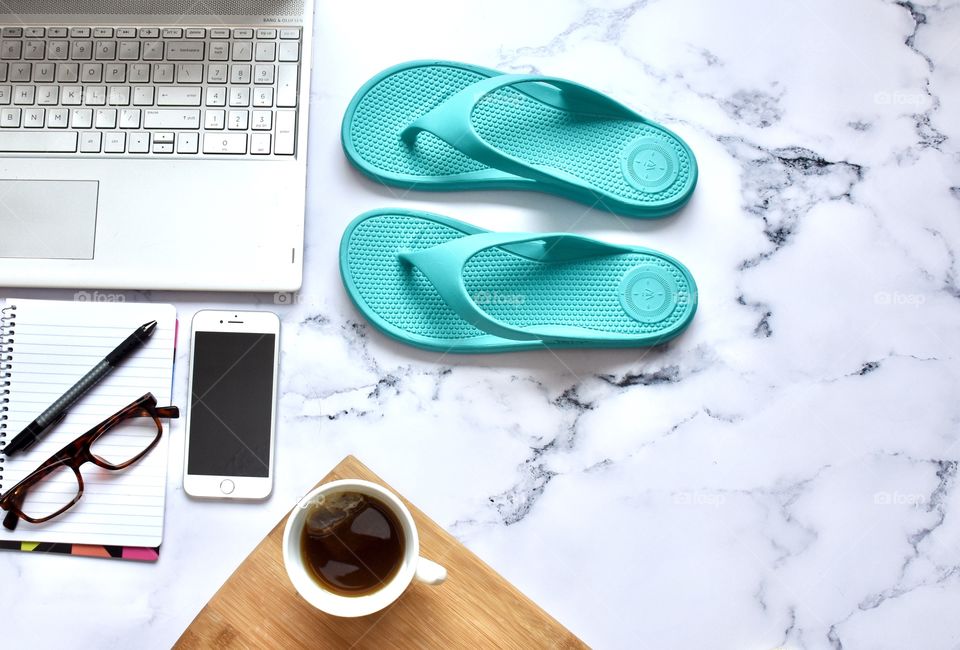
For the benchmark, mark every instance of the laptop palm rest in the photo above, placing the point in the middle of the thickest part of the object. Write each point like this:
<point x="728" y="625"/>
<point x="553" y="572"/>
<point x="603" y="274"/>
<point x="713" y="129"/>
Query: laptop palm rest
<point x="48" y="219"/>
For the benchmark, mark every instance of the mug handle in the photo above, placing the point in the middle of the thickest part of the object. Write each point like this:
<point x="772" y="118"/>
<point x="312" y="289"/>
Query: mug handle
<point x="429" y="572"/>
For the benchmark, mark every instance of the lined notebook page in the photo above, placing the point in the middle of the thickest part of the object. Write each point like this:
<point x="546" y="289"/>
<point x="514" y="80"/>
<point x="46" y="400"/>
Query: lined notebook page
<point x="54" y="344"/>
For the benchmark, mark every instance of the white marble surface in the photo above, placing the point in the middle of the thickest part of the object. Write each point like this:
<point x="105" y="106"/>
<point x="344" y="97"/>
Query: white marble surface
<point x="783" y="474"/>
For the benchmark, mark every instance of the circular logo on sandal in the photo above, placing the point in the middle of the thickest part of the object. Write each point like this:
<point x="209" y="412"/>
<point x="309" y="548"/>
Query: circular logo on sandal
<point x="649" y="165"/>
<point x="648" y="294"/>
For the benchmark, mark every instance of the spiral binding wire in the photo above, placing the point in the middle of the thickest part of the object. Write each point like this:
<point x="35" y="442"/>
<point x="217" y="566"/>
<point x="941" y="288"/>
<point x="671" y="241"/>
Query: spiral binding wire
<point x="7" y="322"/>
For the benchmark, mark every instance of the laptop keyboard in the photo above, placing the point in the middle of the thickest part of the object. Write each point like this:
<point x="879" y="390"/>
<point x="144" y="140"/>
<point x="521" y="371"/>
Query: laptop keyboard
<point x="149" y="91"/>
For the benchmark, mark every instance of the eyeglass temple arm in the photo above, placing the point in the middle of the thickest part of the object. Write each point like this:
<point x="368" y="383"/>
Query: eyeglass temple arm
<point x="171" y="412"/>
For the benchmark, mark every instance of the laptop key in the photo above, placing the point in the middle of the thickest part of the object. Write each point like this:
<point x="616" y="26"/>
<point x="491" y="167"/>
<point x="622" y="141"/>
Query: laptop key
<point x="10" y="118"/>
<point x="38" y="142"/>
<point x="43" y="72"/>
<point x="224" y="143"/>
<point x="10" y="49"/>
<point x="171" y="119"/>
<point x="287" y="85"/>
<point x="5" y="95"/>
<point x="81" y="118"/>
<point x="58" y="50"/>
<point x="139" y="142"/>
<point x="115" y="142"/>
<point x="185" y="51"/>
<point x="178" y="96"/>
<point x="20" y="71"/>
<point x="90" y="142"/>
<point x="68" y="72"/>
<point x="57" y="118"/>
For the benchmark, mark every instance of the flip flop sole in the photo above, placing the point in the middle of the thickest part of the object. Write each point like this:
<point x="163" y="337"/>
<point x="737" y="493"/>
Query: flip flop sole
<point x="632" y="167"/>
<point x="645" y="296"/>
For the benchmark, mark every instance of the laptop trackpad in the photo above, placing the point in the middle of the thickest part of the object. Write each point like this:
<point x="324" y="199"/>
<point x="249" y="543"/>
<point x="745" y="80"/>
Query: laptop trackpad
<point x="48" y="219"/>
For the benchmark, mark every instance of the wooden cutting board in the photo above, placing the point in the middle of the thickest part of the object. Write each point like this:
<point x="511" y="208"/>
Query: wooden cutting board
<point x="257" y="607"/>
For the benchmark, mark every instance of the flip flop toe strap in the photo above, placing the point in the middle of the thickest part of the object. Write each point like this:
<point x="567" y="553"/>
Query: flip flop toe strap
<point x="451" y="120"/>
<point x="443" y="267"/>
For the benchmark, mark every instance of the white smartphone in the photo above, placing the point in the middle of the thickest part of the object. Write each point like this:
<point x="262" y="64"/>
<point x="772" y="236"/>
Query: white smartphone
<point x="232" y="411"/>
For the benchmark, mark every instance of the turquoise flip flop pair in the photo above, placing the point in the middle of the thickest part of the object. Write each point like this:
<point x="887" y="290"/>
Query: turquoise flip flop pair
<point x="446" y="285"/>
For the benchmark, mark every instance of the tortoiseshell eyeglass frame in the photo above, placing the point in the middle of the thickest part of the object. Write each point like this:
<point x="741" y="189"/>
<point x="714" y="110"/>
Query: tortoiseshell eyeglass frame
<point x="77" y="453"/>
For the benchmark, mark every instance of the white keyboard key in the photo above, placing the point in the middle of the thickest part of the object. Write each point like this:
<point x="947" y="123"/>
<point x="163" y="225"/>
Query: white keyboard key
<point x="139" y="142"/>
<point x="20" y="71"/>
<point x="289" y="52"/>
<point x="91" y="73"/>
<point x="214" y="120"/>
<point x="185" y="51"/>
<point x="195" y="32"/>
<point x="119" y="96"/>
<point x="163" y="137"/>
<point x="34" y="50"/>
<point x="287" y="34"/>
<point x="239" y="97"/>
<point x="79" y="32"/>
<point x="190" y="73"/>
<point x="188" y="142"/>
<point x="38" y="142"/>
<point x="71" y="95"/>
<point x="10" y="118"/>
<point x="115" y="143"/>
<point x="95" y="96"/>
<point x="266" y="32"/>
<point x="57" y="118"/>
<point x="115" y="73"/>
<point x="241" y="52"/>
<point x="24" y="95"/>
<point x="163" y="73"/>
<point x="260" y="144"/>
<point x="217" y="73"/>
<point x="103" y="32"/>
<point x="219" y="32"/>
<point x="81" y="50"/>
<point x="178" y="96"/>
<point x="57" y="32"/>
<point x="237" y="120"/>
<point x="81" y="118"/>
<point x="287" y="85"/>
<point x="153" y="51"/>
<point x="6" y="93"/>
<point x="172" y="32"/>
<point x="263" y="73"/>
<point x="58" y="50"/>
<point x="171" y="119"/>
<point x="225" y="143"/>
<point x="130" y="118"/>
<point x="33" y="118"/>
<point x="44" y="72"/>
<point x="90" y="142"/>
<point x="11" y="49"/>
<point x="266" y="52"/>
<point x="219" y="51"/>
<point x="143" y="96"/>
<point x="216" y="96"/>
<point x="240" y="73"/>
<point x="126" y="32"/>
<point x="4" y="67"/>
<point x="286" y="133"/>
<point x="263" y="97"/>
<point x="162" y="147"/>
<point x="105" y="50"/>
<point x="68" y="73"/>
<point x="139" y="73"/>
<point x="105" y="118"/>
<point x="261" y="120"/>
<point x="34" y="32"/>
<point x="129" y="51"/>
<point x="243" y="32"/>
<point x="48" y="95"/>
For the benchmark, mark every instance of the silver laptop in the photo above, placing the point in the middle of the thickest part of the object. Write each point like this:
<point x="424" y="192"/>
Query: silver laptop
<point x="153" y="143"/>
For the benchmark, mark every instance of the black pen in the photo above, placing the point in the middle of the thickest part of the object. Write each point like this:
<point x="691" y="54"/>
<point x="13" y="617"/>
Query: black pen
<point x="58" y="410"/>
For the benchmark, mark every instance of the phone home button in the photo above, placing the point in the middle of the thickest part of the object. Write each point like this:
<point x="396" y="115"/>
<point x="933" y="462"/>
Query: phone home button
<point x="226" y="486"/>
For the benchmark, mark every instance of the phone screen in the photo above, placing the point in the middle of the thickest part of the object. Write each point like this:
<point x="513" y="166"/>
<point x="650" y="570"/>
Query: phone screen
<point x="231" y="404"/>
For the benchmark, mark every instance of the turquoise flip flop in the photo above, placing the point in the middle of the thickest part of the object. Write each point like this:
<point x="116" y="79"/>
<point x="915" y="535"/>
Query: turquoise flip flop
<point x="445" y="285"/>
<point x="442" y="125"/>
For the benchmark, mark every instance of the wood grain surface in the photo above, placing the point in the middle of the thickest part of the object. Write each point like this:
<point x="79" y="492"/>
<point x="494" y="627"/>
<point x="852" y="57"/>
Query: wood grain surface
<point x="257" y="607"/>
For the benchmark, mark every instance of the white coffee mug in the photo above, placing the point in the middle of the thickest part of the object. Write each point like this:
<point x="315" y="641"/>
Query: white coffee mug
<point x="412" y="567"/>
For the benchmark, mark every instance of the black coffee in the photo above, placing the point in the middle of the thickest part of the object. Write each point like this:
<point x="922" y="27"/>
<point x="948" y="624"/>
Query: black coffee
<point x="352" y="543"/>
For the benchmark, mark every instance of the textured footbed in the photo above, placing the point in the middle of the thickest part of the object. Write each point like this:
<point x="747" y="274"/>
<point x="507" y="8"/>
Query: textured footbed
<point x="510" y="288"/>
<point x="589" y="148"/>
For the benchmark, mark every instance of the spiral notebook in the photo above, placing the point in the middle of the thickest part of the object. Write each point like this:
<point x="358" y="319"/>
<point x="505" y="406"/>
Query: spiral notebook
<point x="45" y="347"/>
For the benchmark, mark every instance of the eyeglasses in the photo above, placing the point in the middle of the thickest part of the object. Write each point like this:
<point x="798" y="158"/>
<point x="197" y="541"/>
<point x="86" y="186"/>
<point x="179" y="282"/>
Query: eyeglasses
<point x="116" y="443"/>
